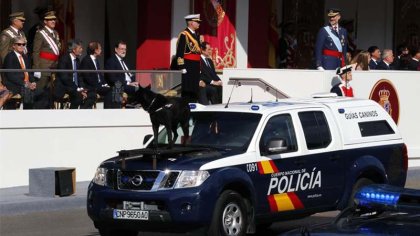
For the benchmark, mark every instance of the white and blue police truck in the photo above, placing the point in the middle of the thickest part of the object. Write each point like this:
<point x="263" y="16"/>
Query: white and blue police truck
<point x="246" y="165"/>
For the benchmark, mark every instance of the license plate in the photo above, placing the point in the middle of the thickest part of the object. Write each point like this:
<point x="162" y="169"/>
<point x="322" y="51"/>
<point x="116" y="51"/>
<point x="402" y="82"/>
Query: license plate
<point x="130" y="214"/>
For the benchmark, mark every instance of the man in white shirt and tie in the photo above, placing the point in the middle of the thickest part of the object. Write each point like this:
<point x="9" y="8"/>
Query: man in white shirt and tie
<point x="210" y="83"/>
<point x="120" y="82"/>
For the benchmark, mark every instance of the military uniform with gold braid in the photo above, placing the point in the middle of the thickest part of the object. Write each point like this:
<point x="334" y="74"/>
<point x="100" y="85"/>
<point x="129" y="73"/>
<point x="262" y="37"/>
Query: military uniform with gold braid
<point x="188" y="59"/>
<point x="7" y="35"/>
<point x="46" y="51"/>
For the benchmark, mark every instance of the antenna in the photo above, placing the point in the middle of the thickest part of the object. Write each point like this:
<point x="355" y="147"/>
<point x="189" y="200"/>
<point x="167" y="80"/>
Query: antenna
<point x="277" y="97"/>
<point x="227" y="104"/>
<point x="250" y="101"/>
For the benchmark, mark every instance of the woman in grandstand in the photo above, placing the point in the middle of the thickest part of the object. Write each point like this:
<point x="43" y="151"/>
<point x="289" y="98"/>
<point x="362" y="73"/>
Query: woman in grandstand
<point x="361" y="61"/>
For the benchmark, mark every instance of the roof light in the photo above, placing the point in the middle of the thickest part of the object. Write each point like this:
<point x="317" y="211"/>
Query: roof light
<point x="193" y="106"/>
<point x="255" y="107"/>
<point x="341" y="110"/>
<point x="374" y="194"/>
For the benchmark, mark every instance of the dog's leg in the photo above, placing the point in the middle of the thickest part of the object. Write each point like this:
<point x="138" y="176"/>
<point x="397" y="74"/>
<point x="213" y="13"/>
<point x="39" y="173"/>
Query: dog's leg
<point x="170" y="141"/>
<point x="155" y="128"/>
<point x="174" y="130"/>
<point x="185" y="130"/>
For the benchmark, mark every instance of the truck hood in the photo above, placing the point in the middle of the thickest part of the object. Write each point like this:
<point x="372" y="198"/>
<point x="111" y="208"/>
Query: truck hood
<point x="177" y="158"/>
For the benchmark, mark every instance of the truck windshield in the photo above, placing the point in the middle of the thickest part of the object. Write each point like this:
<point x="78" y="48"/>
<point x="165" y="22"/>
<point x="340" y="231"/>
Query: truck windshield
<point x="218" y="129"/>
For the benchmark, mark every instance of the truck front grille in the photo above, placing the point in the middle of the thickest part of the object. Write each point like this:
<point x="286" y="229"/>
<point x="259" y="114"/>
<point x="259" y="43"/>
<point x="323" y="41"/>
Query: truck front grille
<point x="136" y="180"/>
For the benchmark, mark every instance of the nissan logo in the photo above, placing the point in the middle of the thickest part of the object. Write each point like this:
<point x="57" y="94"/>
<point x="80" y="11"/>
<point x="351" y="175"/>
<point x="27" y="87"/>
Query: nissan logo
<point x="137" y="180"/>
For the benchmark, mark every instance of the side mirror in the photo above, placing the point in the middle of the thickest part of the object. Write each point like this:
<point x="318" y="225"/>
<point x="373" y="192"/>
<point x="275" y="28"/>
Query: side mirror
<point x="147" y="138"/>
<point x="277" y="145"/>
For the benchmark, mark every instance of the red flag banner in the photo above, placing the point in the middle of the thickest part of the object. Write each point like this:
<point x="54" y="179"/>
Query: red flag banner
<point x="65" y="25"/>
<point x="218" y="28"/>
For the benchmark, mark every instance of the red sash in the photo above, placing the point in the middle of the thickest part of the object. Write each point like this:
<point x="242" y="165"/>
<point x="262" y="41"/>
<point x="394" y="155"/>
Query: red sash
<point x="333" y="53"/>
<point x="48" y="56"/>
<point x="192" y="57"/>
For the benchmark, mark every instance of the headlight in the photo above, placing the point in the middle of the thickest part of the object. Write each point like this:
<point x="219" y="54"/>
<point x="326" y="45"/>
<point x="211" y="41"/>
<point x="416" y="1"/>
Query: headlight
<point x="100" y="176"/>
<point x="191" y="178"/>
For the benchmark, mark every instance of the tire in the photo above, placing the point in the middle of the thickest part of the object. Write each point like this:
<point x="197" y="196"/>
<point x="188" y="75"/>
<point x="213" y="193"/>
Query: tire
<point x="358" y="185"/>
<point x="230" y="215"/>
<point x="116" y="232"/>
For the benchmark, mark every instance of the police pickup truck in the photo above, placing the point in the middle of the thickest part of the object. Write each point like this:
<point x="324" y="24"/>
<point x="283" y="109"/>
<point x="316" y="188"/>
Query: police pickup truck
<point x="247" y="165"/>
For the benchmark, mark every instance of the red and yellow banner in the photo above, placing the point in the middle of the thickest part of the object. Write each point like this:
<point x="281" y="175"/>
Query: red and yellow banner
<point x="218" y="28"/>
<point x="267" y="167"/>
<point x="284" y="202"/>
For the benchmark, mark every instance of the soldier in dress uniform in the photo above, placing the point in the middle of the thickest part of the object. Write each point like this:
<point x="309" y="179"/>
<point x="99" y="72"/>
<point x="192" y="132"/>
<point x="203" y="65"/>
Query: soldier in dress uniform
<point x="46" y="51"/>
<point x="17" y="19"/>
<point x="331" y="43"/>
<point x="343" y="88"/>
<point x="188" y="58"/>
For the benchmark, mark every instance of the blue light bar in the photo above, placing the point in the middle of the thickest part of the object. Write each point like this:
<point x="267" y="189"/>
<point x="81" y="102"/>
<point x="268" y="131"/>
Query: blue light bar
<point x="341" y="110"/>
<point x="373" y="195"/>
<point x="193" y="106"/>
<point x="255" y="107"/>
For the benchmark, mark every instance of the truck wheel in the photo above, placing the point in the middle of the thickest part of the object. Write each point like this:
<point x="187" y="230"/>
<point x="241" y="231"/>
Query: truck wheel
<point x="229" y="216"/>
<point x="116" y="232"/>
<point x="359" y="184"/>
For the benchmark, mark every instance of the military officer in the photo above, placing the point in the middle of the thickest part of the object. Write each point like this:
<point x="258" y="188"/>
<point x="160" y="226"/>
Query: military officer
<point x="17" y="19"/>
<point x="188" y="58"/>
<point x="46" y="51"/>
<point x="331" y="43"/>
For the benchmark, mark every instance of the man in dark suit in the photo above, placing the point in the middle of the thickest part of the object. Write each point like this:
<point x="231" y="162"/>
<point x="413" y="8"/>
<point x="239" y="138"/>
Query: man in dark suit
<point x="210" y="83"/>
<point x="22" y="83"/>
<point x="68" y="82"/>
<point x="94" y="82"/>
<point x="387" y="60"/>
<point x="375" y="57"/>
<point x="414" y="63"/>
<point x="331" y="43"/>
<point x="188" y="58"/>
<point x="120" y="83"/>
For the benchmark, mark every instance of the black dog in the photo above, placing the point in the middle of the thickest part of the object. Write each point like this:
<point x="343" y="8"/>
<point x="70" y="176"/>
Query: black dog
<point x="166" y="111"/>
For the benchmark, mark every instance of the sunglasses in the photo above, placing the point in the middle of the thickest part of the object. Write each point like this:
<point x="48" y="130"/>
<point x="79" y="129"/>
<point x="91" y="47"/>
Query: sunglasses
<point x="21" y="44"/>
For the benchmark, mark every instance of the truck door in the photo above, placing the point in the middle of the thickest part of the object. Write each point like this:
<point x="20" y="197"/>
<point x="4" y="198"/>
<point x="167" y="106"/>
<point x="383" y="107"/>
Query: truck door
<point x="296" y="181"/>
<point x="278" y="169"/>
<point x="321" y="160"/>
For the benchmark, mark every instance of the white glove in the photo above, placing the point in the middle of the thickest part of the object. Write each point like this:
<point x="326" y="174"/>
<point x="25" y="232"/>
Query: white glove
<point x="320" y="68"/>
<point x="184" y="71"/>
<point x="37" y="75"/>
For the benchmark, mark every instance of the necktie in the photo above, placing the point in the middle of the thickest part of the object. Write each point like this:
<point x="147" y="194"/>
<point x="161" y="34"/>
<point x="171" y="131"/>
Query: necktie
<point x="208" y="62"/>
<point x="97" y="68"/>
<point x="75" y="79"/>
<point x="22" y="66"/>
<point x="125" y="68"/>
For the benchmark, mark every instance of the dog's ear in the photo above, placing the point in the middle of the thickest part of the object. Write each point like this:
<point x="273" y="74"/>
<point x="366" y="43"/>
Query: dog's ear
<point x="149" y="87"/>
